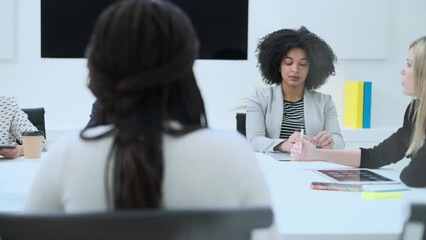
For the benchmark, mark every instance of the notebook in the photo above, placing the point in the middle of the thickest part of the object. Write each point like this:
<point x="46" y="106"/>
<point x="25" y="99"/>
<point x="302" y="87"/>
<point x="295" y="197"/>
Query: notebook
<point x="336" y="187"/>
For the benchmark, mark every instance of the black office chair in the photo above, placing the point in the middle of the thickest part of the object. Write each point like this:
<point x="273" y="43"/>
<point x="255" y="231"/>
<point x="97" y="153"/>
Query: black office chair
<point x="241" y="123"/>
<point x="36" y="117"/>
<point x="211" y="224"/>
<point x="414" y="228"/>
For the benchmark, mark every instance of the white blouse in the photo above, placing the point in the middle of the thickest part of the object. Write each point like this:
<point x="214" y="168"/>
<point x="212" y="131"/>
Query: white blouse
<point x="205" y="168"/>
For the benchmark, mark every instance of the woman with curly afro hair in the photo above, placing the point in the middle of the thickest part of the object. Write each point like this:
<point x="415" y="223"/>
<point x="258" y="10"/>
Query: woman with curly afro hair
<point x="295" y="63"/>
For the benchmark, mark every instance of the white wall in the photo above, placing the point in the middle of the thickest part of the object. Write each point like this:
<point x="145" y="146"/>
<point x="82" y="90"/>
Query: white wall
<point x="345" y="24"/>
<point x="406" y="23"/>
<point x="59" y="85"/>
<point x="7" y="29"/>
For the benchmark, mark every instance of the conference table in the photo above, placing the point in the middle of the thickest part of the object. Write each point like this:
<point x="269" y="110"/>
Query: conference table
<point x="15" y="180"/>
<point x="303" y="213"/>
<point x="299" y="211"/>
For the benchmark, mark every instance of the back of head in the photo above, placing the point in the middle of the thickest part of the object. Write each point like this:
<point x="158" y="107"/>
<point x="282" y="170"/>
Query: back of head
<point x="140" y="59"/>
<point x="139" y="47"/>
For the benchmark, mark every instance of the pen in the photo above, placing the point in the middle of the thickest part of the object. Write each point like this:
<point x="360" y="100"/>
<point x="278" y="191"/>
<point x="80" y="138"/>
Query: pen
<point x="301" y="137"/>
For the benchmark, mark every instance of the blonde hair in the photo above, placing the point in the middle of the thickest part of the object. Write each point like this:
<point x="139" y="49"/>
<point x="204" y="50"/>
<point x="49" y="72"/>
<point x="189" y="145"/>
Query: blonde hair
<point x="419" y="78"/>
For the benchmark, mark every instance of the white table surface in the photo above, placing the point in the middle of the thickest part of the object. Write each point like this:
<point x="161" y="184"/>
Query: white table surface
<point x="303" y="213"/>
<point x="300" y="213"/>
<point x="15" y="180"/>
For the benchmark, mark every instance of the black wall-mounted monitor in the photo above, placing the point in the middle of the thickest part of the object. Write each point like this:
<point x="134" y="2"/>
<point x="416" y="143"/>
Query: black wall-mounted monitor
<point x="222" y="26"/>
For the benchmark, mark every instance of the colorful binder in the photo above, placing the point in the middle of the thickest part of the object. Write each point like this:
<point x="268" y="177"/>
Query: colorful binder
<point x="353" y="107"/>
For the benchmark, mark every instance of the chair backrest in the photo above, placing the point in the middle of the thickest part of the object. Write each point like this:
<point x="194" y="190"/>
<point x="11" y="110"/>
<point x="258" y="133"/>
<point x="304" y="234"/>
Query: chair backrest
<point x="36" y="117"/>
<point x="241" y="123"/>
<point x="414" y="228"/>
<point x="212" y="224"/>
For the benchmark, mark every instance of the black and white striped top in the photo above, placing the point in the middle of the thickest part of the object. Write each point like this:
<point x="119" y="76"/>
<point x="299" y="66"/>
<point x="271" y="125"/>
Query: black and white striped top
<point x="293" y="118"/>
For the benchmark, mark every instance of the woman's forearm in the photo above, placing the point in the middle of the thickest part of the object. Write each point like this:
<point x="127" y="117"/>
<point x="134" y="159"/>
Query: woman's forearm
<point x="344" y="157"/>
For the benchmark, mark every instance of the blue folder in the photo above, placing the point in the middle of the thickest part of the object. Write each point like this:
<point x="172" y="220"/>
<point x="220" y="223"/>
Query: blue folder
<point x="366" y="121"/>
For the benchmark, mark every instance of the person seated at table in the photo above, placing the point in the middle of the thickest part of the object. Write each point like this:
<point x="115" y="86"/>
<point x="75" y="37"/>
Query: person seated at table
<point x="408" y="141"/>
<point x="13" y="123"/>
<point x="156" y="150"/>
<point x="295" y="62"/>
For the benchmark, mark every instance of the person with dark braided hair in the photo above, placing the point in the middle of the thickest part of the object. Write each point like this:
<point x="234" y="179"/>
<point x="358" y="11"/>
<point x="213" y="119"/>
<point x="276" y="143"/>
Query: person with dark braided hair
<point x="152" y="148"/>
<point x="295" y="62"/>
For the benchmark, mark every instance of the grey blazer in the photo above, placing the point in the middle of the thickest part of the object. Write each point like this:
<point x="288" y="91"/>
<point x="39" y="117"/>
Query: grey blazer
<point x="265" y="115"/>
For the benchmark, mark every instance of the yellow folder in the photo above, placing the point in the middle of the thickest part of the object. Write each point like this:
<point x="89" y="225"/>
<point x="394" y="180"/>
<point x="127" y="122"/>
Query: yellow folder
<point x="353" y="108"/>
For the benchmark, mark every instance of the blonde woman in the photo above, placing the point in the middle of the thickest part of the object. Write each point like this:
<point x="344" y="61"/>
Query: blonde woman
<point x="407" y="141"/>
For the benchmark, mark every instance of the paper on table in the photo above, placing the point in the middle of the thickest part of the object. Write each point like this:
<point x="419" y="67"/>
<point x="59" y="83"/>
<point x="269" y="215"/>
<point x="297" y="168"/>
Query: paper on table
<point x="281" y="156"/>
<point x="386" y="188"/>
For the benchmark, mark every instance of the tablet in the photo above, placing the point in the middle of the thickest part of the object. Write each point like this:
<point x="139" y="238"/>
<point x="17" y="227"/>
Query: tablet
<point x="355" y="176"/>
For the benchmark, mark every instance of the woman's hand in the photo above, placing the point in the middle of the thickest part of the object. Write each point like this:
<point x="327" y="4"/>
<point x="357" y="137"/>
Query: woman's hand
<point x="324" y="140"/>
<point x="11" y="153"/>
<point x="302" y="150"/>
<point x="288" y="144"/>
